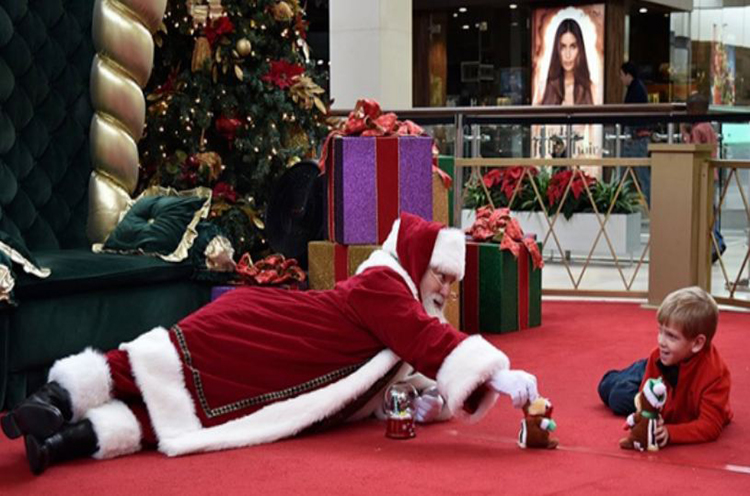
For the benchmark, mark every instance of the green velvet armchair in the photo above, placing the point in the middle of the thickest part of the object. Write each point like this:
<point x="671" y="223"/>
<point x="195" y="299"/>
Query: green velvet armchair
<point x="90" y="299"/>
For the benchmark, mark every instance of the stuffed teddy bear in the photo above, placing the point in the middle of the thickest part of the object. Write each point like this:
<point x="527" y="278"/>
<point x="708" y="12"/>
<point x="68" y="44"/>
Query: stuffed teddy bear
<point x="642" y="423"/>
<point x="537" y="425"/>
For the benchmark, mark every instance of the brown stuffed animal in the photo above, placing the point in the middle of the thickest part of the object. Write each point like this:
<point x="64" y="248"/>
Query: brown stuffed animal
<point x="537" y="425"/>
<point x="642" y="423"/>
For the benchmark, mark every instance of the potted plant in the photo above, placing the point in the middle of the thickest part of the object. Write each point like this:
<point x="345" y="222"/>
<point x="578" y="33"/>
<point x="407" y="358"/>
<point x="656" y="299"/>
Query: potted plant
<point x="577" y="225"/>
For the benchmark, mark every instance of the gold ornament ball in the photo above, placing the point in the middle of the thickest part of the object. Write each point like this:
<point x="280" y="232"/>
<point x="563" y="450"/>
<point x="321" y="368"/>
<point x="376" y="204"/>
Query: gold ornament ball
<point x="244" y="47"/>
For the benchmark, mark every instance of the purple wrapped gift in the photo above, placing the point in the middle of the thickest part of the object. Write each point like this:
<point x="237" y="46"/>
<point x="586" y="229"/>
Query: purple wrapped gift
<point x="217" y="291"/>
<point x="371" y="180"/>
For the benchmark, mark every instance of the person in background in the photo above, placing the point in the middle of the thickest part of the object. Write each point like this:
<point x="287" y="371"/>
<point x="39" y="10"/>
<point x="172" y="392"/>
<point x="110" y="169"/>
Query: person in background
<point x="637" y="145"/>
<point x="703" y="133"/>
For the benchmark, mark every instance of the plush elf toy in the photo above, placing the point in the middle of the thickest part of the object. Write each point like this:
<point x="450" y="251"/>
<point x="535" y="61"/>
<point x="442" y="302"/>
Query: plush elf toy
<point x="642" y="423"/>
<point x="537" y="425"/>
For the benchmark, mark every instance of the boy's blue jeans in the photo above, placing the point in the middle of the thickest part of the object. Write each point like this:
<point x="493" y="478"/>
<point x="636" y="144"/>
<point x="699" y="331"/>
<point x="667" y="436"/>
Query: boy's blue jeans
<point x="618" y="388"/>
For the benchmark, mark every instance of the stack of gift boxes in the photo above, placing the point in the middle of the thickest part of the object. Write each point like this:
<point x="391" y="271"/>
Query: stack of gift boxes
<point x="370" y="181"/>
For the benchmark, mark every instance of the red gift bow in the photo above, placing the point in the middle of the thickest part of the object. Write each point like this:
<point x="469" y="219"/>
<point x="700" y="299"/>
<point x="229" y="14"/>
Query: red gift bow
<point x="367" y="119"/>
<point x="497" y="225"/>
<point x="272" y="270"/>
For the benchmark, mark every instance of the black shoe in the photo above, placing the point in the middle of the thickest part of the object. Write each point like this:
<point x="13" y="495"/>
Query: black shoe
<point x="72" y="441"/>
<point x="41" y="414"/>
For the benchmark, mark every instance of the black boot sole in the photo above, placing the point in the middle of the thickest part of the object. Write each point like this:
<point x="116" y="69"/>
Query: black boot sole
<point x="39" y="419"/>
<point x="37" y="456"/>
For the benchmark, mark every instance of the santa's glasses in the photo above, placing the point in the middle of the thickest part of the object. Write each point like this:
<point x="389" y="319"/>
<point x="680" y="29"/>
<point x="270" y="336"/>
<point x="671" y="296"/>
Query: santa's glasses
<point x="444" y="280"/>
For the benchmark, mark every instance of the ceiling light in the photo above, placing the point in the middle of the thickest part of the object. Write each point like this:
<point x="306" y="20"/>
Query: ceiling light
<point x="465" y="26"/>
<point x="462" y="9"/>
<point x="513" y="6"/>
<point x="643" y="10"/>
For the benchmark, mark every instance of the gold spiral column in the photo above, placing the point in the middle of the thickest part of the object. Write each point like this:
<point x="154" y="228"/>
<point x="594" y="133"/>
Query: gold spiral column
<point x="122" y="33"/>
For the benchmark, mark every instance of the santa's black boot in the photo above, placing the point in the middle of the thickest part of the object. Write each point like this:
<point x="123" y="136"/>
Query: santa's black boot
<point x="41" y="414"/>
<point x="72" y="441"/>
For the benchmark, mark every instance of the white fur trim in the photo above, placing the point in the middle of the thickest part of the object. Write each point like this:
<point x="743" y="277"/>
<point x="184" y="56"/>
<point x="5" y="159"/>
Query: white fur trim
<point x="449" y="253"/>
<point x="383" y="258"/>
<point x="467" y="367"/>
<point x="117" y="430"/>
<point x="157" y="370"/>
<point x="391" y="242"/>
<point x="87" y="379"/>
<point x="284" y="418"/>
<point x="656" y="396"/>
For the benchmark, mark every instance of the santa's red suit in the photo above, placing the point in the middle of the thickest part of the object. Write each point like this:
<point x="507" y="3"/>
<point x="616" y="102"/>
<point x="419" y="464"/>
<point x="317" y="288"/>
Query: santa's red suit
<point x="261" y="364"/>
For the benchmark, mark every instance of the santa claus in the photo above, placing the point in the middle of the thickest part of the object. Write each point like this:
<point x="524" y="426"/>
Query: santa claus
<point x="261" y="364"/>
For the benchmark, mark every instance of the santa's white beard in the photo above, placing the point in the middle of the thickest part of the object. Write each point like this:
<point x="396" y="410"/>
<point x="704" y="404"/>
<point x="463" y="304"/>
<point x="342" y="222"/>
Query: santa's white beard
<point x="432" y="308"/>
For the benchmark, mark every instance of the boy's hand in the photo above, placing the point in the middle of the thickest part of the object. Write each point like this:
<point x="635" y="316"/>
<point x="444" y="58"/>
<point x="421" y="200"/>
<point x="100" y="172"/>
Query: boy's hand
<point x="662" y="434"/>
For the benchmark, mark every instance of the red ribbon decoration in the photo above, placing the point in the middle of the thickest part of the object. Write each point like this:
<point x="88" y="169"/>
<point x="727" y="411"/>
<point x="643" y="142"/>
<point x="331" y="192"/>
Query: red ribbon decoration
<point x="387" y="183"/>
<point x="470" y="291"/>
<point x="497" y="225"/>
<point x="523" y="291"/>
<point x="340" y="262"/>
<point x="274" y="270"/>
<point x="367" y="119"/>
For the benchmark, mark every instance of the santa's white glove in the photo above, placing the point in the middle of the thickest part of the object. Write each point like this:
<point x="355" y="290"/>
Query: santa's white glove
<point x="427" y="407"/>
<point x="519" y="385"/>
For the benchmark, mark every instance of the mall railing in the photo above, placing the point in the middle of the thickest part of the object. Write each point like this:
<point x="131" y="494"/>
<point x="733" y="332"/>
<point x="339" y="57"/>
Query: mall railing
<point x="729" y="282"/>
<point x="675" y="236"/>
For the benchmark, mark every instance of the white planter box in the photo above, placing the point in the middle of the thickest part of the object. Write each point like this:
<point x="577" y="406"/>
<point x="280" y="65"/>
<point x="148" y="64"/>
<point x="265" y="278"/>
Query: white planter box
<point x="577" y="234"/>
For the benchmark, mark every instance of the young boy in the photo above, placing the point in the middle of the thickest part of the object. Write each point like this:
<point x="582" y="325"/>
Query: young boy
<point x="697" y="379"/>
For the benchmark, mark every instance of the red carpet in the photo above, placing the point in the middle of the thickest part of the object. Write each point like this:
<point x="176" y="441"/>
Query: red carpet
<point x="577" y="344"/>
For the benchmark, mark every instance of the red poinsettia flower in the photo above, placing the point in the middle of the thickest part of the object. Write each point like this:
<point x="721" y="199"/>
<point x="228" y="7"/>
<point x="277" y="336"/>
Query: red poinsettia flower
<point x="282" y="73"/>
<point x="559" y="181"/>
<point x="220" y="26"/>
<point x="511" y="178"/>
<point x="507" y="178"/>
<point x="225" y="191"/>
<point x="493" y="177"/>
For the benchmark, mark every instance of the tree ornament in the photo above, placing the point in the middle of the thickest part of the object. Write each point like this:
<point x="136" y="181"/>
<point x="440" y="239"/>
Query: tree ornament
<point x="212" y="162"/>
<point x="201" y="55"/>
<point x="282" y="12"/>
<point x="296" y="138"/>
<point x="244" y="47"/>
<point x="227" y="127"/>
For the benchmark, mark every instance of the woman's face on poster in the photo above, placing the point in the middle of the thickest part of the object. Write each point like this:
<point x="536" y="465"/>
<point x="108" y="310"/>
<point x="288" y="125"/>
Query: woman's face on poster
<point x="568" y="49"/>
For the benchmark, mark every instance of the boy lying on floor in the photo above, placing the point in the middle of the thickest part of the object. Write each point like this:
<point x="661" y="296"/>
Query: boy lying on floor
<point x="697" y="379"/>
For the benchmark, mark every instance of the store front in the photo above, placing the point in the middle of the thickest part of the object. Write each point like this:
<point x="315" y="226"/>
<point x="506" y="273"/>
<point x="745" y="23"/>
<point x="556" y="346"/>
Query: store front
<point x="493" y="53"/>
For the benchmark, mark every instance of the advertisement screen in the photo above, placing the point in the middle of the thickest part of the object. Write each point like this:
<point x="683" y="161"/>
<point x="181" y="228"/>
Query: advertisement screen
<point x="568" y="69"/>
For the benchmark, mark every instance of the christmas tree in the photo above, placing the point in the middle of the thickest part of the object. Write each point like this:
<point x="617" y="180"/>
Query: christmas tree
<point x="233" y="100"/>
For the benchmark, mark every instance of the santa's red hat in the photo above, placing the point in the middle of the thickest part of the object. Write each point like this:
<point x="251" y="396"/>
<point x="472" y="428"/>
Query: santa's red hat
<point x="419" y="244"/>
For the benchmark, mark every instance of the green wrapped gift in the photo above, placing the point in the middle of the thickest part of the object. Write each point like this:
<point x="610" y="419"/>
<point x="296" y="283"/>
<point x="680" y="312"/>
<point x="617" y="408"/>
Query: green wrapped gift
<point x="499" y="293"/>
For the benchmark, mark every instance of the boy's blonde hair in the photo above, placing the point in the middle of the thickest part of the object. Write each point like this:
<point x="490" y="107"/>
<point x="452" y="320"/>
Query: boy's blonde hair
<point x="691" y="310"/>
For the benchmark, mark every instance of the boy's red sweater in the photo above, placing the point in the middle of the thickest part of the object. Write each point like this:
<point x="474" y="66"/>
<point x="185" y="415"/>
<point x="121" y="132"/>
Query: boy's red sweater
<point x="697" y="409"/>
